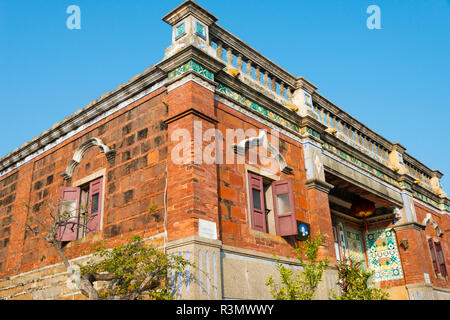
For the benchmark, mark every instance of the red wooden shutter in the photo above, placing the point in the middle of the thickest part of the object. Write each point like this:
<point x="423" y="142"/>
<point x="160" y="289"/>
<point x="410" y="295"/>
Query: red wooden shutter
<point x="283" y="202"/>
<point x="257" y="207"/>
<point x="94" y="205"/>
<point x="440" y="259"/>
<point x="68" y="211"/>
<point x="433" y="255"/>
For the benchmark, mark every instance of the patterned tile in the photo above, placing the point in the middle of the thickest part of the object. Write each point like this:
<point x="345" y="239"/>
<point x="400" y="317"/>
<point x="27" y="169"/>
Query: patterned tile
<point x="382" y="254"/>
<point x="191" y="65"/>
<point x="180" y="30"/>
<point x="200" y="30"/>
<point x="360" y="164"/>
<point x="355" y="246"/>
<point x="261" y="110"/>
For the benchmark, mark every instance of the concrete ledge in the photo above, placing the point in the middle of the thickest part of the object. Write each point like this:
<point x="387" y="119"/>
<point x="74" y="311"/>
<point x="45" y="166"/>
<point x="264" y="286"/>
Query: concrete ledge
<point x="409" y="225"/>
<point x="319" y="185"/>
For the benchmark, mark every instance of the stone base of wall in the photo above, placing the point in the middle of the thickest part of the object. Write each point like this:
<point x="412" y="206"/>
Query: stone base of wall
<point x="217" y="272"/>
<point x="47" y="283"/>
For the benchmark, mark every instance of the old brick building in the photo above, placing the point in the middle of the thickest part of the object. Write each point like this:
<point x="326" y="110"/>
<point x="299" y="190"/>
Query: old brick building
<point x="122" y="154"/>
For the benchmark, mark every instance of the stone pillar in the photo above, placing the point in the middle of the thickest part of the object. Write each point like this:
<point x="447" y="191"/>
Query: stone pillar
<point x="317" y="190"/>
<point x="435" y="182"/>
<point x="192" y="183"/>
<point x="302" y="98"/>
<point x="412" y="243"/>
<point x="396" y="158"/>
<point x="320" y="217"/>
<point x="415" y="257"/>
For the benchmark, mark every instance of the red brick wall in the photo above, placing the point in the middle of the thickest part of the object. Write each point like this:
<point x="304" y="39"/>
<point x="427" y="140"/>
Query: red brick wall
<point x="235" y="228"/>
<point x="443" y="223"/>
<point x="321" y="222"/>
<point x="192" y="187"/>
<point x="134" y="181"/>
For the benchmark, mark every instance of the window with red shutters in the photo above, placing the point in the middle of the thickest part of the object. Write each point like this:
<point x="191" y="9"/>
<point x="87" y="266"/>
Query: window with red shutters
<point x="81" y="207"/>
<point x="283" y="203"/>
<point x="94" y="205"/>
<point x="257" y="204"/>
<point x="68" y="213"/>
<point x="440" y="259"/>
<point x="433" y="255"/>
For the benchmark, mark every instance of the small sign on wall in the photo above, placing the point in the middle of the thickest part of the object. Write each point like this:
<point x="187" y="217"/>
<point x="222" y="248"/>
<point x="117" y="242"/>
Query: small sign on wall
<point x="426" y="276"/>
<point x="207" y="229"/>
<point x="303" y="230"/>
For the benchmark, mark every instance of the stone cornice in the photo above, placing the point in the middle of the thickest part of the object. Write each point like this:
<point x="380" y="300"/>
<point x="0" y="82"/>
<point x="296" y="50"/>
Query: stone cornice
<point x="190" y="112"/>
<point x="96" y="107"/>
<point x="409" y="225"/>
<point x="189" y="8"/>
<point x="319" y="185"/>
<point x="334" y="141"/>
<point x="304" y="84"/>
<point x="193" y="240"/>
<point x="398" y="147"/>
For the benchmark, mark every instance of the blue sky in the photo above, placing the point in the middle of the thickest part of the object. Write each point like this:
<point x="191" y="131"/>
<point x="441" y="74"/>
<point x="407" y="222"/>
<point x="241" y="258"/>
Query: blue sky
<point x="394" y="80"/>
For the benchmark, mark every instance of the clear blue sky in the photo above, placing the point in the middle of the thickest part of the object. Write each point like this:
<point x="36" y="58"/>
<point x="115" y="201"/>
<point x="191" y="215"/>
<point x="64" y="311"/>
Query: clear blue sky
<point x="395" y="80"/>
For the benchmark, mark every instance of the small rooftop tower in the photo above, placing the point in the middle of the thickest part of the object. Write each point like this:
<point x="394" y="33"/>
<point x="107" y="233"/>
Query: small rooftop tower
<point x="190" y="26"/>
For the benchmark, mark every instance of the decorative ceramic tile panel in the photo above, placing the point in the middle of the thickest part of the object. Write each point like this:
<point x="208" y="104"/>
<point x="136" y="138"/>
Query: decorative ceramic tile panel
<point x="191" y="65"/>
<point x="355" y="247"/>
<point x="383" y="256"/>
<point x="180" y="30"/>
<point x="200" y="30"/>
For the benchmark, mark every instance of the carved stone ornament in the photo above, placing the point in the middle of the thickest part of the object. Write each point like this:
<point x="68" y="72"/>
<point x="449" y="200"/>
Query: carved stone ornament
<point x="263" y="141"/>
<point x="429" y="218"/>
<point x="81" y="150"/>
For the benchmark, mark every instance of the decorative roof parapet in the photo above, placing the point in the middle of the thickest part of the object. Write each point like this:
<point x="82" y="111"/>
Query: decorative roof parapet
<point x="228" y="40"/>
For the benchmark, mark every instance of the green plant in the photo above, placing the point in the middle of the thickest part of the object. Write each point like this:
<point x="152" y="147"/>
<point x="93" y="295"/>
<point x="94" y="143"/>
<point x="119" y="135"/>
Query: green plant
<point x="355" y="283"/>
<point x="135" y="270"/>
<point x="300" y="286"/>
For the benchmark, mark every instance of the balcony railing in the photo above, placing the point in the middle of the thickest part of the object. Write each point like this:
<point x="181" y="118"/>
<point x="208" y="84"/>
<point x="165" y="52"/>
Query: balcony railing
<point x="272" y="80"/>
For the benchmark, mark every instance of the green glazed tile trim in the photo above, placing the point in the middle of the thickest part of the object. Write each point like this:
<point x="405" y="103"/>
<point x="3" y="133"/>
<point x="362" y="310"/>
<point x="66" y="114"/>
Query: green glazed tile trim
<point x="194" y="66"/>
<point x="406" y="185"/>
<point x="379" y="174"/>
<point x="360" y="164"/>
<point x="311" y="132"/>
<point x="261" y="110"/>
<point x="425" y="198"/>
